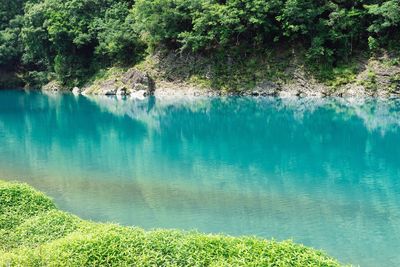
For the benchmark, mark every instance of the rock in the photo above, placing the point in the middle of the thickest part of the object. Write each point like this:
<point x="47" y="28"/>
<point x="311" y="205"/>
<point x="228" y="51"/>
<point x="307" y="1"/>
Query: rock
<point x="85" y="91"/>
<point x="76" y="91"/>
<point x="109" y="92"/>
<point x="135" y="80"/>
<point x="255" y="93"/>
<point x="53" y="86"/>
<point x="287" y="94"/>
<point x="141" y="94"/>
<point x="122" y="91"/>
<point x="353" y="90"/>
<point x="266" y="88"/>
<point x="318" y="94"/>
<point x="108" y="87"/>
<point x="290" y="90"/>
<point x="140" y="87"/>
<point x="301" y="94"/>
<point x="132" y="82"/>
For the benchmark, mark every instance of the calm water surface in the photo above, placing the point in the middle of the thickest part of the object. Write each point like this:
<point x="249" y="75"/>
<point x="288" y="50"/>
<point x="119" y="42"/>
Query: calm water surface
<point x="325" y="173"/>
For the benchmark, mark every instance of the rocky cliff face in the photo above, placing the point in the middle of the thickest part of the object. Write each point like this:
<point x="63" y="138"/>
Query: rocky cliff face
<point x="132" y="82"/>
<point x="168" y="76"/>
<point x="375" y="79"/>
<point x="279" y="75"/>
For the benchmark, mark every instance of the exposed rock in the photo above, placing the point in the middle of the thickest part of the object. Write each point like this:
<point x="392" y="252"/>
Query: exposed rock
<point x="140" y="94"/>
<point x="377" y="78"/>
<point x="122" y="84"/>
<point x="286" y="94"/>
<point x="108" y="87"/>
<point x="76" y="91"/>
<point x="266" y="88"/>
<point x="122" y="91"/>
<point x="373" y="77"/>
<point x="178" y="89"/>
<point x="140" y="87"/>
<point x="53" y="86"/>
<point x="353" y="90"/>
<point x="135" y="80"/>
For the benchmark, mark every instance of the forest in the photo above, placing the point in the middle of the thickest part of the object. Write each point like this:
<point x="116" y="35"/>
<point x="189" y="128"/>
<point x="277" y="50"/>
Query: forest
<point x="71" y="40"/>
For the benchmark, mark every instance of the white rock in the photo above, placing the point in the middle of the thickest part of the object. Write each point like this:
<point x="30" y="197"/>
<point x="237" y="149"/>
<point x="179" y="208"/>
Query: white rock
<point x="122" y="91"/>
<point x="287" y="94"/>
<point x="140" y="94"/>
<point x="76" y="91"/>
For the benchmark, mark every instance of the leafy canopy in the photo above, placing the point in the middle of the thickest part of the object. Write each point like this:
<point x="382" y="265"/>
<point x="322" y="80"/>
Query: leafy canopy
<point x="70" y="40"/>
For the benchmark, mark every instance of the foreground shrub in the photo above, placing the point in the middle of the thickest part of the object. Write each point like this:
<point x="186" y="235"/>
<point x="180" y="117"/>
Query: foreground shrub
<point x="40" y="229"/>
<point x="19" y="202"/>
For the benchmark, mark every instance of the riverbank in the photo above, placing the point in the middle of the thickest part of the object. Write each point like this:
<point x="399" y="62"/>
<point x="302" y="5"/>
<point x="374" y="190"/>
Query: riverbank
<point x="259" y="48"/>
<point x="283" y="75"/>
<point x="35" y="233"/>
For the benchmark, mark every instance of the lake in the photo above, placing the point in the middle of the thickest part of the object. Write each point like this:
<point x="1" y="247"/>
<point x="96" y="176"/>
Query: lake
<point x="323" y="172"/>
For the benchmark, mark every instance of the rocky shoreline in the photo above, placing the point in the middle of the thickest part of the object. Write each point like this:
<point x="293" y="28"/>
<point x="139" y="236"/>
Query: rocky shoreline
<point x="375" y="79"/>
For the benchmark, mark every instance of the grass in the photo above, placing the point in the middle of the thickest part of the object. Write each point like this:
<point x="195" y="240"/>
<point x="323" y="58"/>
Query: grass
<point x="337" y="76"/>
<point x="34" y="233"/>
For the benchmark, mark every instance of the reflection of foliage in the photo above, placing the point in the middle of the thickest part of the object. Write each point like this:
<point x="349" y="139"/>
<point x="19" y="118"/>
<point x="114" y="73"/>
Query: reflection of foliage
<point x="260" y="156"/>
<point x="382" y="115"/>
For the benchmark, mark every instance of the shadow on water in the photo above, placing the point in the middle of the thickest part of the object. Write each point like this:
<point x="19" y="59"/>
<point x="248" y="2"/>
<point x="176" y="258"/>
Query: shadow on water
<point x="321" y="171"/>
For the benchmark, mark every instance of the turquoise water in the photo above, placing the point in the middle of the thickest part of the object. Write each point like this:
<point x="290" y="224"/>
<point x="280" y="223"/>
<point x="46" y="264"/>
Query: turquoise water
<point x="325" y="173"/>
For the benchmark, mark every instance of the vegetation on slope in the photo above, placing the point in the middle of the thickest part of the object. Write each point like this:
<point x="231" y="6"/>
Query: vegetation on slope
<point x="71" y="40"/>
<point x="34" y="233"/>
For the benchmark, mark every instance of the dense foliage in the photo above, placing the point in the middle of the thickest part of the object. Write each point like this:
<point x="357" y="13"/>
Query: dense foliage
<point x="34" y="233"/>
<point x="329" y="29"/>
<point x="70" y="40"/>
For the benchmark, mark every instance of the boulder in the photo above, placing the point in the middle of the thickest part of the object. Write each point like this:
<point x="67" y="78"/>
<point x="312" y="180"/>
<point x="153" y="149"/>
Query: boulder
<point x="122" y="91"/>
<point x="76" y="91"/>
<point x="266" y="88"/>
<point x="353" y="90"/>
<point x="135" y="80"/>
<point x="53" y="86"/>
<point x="108" y="87"/>
<point x="122" y="84"/>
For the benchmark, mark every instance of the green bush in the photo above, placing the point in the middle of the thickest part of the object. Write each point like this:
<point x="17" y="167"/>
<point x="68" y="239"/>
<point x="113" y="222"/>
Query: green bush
<point x="20" y="202"/>
<point x="33" y="233"/>
<point x="40" y="229"/>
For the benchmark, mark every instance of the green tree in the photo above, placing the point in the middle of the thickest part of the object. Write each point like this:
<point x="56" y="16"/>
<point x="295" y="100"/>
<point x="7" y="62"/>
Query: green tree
<point x="162" y="21"/>
<point x="117" y="39"/>
<point x="385" y="26"/>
